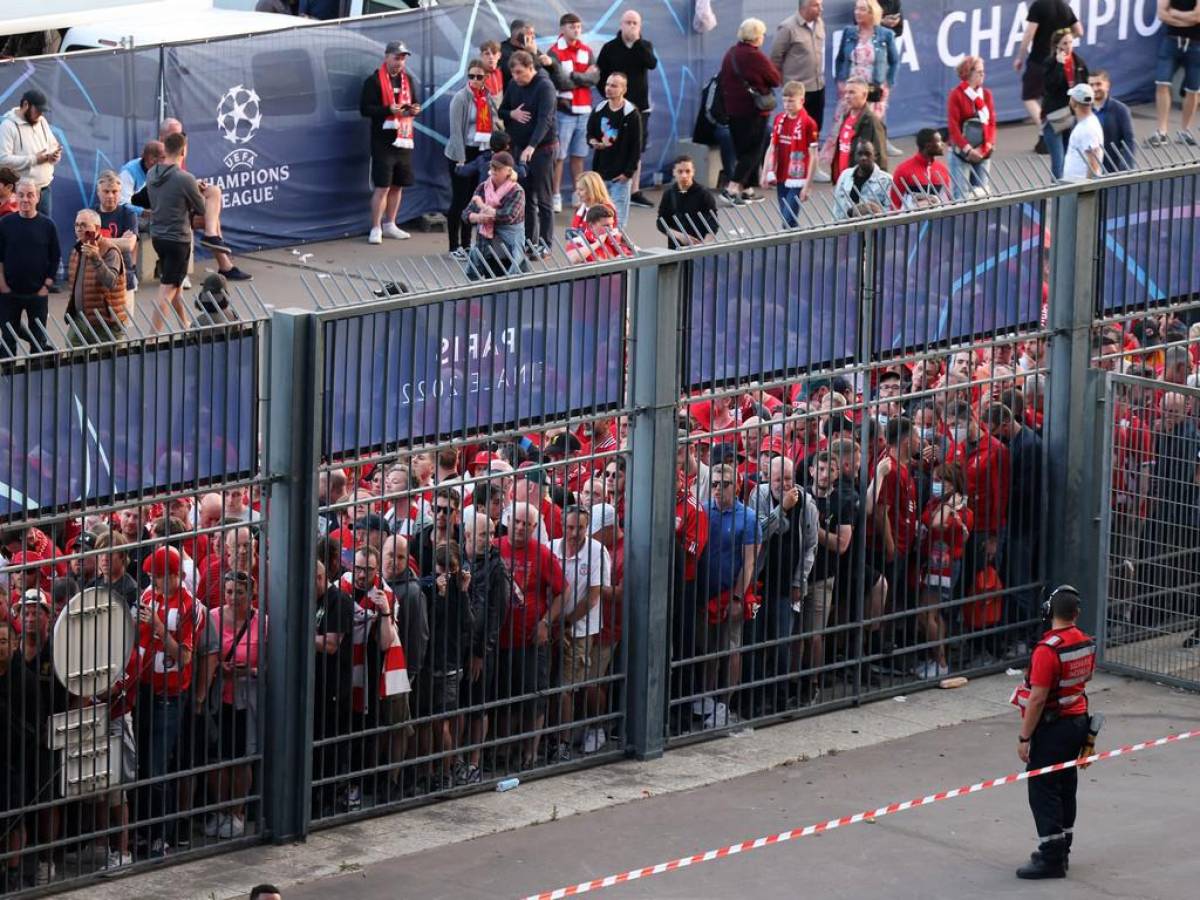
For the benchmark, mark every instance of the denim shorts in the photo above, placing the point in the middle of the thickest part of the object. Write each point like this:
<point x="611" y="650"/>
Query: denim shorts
<point x="572" y="135"/>
<point x="1174" y="52"/>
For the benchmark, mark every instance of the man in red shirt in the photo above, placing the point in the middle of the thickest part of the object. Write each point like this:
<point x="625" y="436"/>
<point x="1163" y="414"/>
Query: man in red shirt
<point x="922" y="179"/>
<point x="533" y="613"/>
<point x="1054" y="728"/>
<point x="892" y="511"/>
<point x="985" y="463"/>
<point x="599" y="239"/>
<point x="166" y="637"/>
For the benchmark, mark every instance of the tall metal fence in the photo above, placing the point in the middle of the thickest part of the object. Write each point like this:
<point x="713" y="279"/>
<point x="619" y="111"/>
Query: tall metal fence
<point x="518" y="525"/>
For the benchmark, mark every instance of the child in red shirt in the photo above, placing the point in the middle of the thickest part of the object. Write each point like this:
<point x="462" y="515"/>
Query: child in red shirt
<point x="791" y="153"/>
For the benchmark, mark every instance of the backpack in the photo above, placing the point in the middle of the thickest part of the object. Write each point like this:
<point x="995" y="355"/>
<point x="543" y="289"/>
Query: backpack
<point x="712" y="103"/>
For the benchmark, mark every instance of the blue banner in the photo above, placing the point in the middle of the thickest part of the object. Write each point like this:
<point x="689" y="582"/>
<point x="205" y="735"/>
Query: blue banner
<point x="85" y="429"/>
<point x="1149" y="245"/>
<point x="772" y="310"/>
<point x="471" y="365"/>
<point x="976" y="273"/>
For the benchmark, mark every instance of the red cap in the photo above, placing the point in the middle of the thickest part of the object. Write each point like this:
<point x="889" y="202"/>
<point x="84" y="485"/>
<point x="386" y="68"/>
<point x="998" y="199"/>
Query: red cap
<point x="163" y="560"/>
<point x="481" y="460"/>
<point x="773" y="444"/>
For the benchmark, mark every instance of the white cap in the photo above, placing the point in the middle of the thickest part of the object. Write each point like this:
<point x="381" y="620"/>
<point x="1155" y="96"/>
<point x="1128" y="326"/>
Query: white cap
<point x="602" y="516"/>
<point x="1082" y="93"/>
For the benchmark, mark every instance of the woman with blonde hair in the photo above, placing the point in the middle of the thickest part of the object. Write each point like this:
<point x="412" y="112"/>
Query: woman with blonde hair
<point x="748" y="80"/>
<point x="866" y="50"/>
<point x="592" y="191"/>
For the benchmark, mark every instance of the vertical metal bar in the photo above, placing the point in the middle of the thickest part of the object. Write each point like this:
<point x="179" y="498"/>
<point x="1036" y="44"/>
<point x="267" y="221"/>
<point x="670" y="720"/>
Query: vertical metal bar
<point x="293" y="424"/>
<point x="1070" y="459"/>
<point x="650" y="526"/>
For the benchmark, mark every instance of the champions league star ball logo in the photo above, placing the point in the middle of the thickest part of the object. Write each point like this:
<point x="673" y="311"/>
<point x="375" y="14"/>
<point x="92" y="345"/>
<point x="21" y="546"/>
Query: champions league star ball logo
<point x="238" y="114"/>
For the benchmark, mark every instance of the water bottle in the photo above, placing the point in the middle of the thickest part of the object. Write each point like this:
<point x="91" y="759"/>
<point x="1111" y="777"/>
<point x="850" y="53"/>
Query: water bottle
<point x="507" y="785"/>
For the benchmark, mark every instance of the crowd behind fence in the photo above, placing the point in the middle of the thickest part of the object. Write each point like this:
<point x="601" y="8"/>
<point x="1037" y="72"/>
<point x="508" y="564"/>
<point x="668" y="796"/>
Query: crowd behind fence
<point x="584" y="515"/>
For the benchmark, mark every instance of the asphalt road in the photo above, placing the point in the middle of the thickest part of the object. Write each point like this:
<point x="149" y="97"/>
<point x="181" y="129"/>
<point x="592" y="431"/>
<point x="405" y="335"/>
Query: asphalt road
<point x="1137" y="818"/>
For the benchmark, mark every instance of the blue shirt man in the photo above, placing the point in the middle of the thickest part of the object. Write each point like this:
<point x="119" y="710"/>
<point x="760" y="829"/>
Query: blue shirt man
<point x="1120" y="145"/>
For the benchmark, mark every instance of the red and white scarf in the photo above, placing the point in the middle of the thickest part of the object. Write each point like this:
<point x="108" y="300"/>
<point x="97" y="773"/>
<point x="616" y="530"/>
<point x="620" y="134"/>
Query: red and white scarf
<point x="393" y="675"/>
<point x="404" y="124"/>
<point x="483" y="116"/>
<point x="793" y="145"/>
<point x="975" y="95"/>
<point x="575" y="56"/>
<point x="494" y="196"/>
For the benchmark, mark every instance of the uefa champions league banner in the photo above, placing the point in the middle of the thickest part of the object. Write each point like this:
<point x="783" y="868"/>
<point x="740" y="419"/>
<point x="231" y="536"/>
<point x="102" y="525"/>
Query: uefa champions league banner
<point x="138" y="420"/>
<point x="476" y="364"/>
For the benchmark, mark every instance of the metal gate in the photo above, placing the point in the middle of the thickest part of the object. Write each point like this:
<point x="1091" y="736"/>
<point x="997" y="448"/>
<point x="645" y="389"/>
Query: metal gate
<point x="1150" y="581"/>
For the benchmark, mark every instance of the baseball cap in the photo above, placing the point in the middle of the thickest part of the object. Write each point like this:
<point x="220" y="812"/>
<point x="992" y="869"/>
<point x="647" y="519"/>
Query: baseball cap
<point x="602" y="516"/>
<point x="34" y="97"/>
<point x="1082" y="93"/>
<point x="34" y="595"/>
<point x="371" y="522"/>
<point x="772" y="444"/>
<point x="564" y="444"/>
<point x="481" y="460"/>
<point x="723" y="453"/>
<point x="502" y="158"/>
<point x="396" y="48"/>
<point x="163" y="560"/>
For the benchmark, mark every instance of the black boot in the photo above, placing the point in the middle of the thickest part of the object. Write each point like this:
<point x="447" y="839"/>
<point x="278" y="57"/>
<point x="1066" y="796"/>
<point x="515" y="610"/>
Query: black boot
<point x="1036" y="856"/>
<point x="1039" y="867"/>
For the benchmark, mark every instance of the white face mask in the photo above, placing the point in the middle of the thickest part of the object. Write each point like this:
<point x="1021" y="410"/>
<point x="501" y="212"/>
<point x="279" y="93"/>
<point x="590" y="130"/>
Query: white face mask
<point x="883" y="418"/>
<point x="937" y="489"/>
<point x="960" y="433"/>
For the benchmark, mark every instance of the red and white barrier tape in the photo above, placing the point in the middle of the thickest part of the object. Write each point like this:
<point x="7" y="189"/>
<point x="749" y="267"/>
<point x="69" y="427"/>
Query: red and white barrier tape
<point x="744" y="846"/>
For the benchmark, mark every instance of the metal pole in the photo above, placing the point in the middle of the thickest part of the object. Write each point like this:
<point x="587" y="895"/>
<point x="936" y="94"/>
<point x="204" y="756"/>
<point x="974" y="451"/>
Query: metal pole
<point x="650" y="525"/>
<point x="293" y="424"/>
<point x="1077" y="403"/>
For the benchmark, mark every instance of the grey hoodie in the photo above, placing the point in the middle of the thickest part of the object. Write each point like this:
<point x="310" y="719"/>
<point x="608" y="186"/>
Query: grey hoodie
<point x="174" y="198"/>
<point x="20" y="144"/>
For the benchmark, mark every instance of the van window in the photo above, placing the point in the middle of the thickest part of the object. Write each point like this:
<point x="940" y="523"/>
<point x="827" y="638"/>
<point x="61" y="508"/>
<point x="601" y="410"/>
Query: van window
<point x="346" y="69"/>
<point x="283" y="80"/>
<point x="101" y="82"/>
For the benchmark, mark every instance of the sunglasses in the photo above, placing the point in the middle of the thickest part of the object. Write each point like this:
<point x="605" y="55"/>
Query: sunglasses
<point x="443" y="510"/>
<point x="724" y="483"/>
<point x="475" y="78"/>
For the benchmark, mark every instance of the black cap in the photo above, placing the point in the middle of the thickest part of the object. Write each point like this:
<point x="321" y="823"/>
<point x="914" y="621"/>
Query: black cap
<point x="723" y="453"/>
<point x="372" y="522"/>
<point x="34" y="97"/>
<point x="564" y="444"/>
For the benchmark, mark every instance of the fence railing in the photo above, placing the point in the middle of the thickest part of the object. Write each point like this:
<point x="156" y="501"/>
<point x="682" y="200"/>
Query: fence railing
<point x="692" y="490"/>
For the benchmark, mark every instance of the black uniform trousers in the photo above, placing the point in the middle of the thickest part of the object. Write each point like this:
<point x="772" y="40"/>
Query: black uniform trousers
<point x="1052" y="797"/>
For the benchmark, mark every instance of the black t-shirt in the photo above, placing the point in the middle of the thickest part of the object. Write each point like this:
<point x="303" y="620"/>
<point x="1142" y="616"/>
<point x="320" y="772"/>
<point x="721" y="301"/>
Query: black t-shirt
<point x="334" y="675"/>
<point x="839" y="508"/>
<point x="113" y="225"/>
<point x="1188" y="31"/>
<point x="29" y="251"/>
<point x="124" y="587"/>
<point x="23" y="723"/>
<point x="1050" y="16"/>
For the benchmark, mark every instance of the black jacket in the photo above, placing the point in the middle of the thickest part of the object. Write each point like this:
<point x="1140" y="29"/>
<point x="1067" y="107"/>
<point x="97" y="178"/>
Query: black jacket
<point x="634" y="62"/>
<point x="371" y="106"/>
<point x="1056" y="86"/>
<point x="412" y="620"/>
<point x="623" y="156"/>
<point x="450" y="625"/>
<point x="539" y="98"/>
<point x="694" y="213"/>
<point x="490" y="588"/>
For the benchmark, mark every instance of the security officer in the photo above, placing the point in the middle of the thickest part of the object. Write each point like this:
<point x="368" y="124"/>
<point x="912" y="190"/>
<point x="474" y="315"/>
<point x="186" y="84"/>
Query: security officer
<point x="1054" y="728"/>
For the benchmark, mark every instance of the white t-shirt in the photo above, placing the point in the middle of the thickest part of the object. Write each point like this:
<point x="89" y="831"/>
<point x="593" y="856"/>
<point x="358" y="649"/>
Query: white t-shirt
<point x="1086" y="135"/>
<point x="589" y="568"/>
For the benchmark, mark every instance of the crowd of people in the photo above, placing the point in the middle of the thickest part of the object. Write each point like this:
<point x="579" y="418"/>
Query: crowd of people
<point x="832" y="533"/>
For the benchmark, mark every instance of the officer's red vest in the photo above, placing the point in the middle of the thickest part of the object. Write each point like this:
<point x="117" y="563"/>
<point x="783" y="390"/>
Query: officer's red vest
<point x="1077" y="660"/>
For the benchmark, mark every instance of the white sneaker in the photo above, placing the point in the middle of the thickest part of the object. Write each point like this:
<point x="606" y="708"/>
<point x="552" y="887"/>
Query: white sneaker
<point x="212" y="825"/>
<point x="375" y="236"/>
<point x="719" y="717"/>
<point x="354" y="798"/>
<point x="116" y="859"/>
<point x="943" y="671"/>
<point x="45" y="873"/>
<point x="702" y="707"/>
<point x="186" y="284"/>
<point x="821" y="177"/>
<point x="926" y="670"/>
<point x="234" y="826"/>
<point x="594" y="739"/>
<point x="556" y="203"/>
<point x="392" y="230"/>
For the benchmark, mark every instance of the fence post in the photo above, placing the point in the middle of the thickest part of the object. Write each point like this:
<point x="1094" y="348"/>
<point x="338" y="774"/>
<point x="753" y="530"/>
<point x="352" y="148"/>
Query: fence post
<point x="1077" y="411"/>
<point x="650" y="526"/>
<point x="293" y="439"/>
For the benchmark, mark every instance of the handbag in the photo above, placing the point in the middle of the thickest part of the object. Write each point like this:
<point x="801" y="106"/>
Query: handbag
<point x="972" y="131"/>
<point x="1060" y="120"/>
<point x="762" y="102"/>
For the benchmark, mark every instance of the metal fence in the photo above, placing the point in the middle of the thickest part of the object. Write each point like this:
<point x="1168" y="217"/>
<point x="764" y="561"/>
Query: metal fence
<point x="543" y="521"/>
